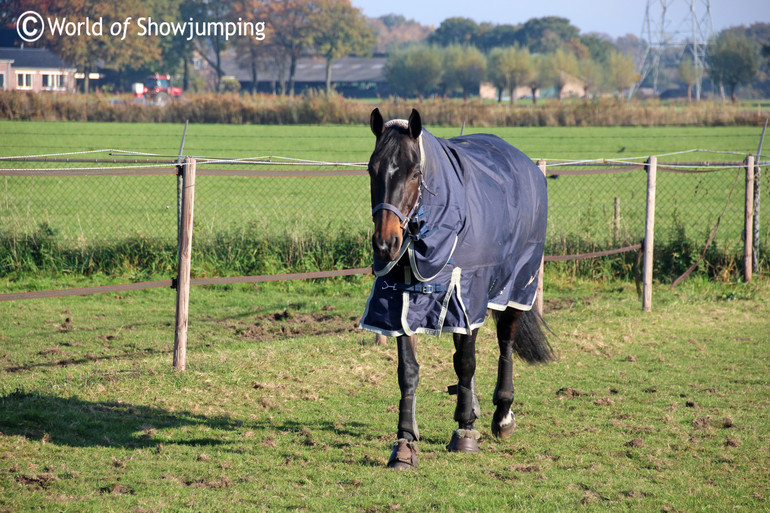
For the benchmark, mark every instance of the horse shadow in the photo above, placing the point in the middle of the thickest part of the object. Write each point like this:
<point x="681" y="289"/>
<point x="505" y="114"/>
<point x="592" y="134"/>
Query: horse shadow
<point x="75" y="422"/>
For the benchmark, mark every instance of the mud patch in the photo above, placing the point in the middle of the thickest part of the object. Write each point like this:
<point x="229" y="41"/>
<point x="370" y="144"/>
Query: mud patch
<point x="38" y="480"/>
<point x="565" y="303"/>
<point x="702" y="422"/>
<point x="525" y="468"/>
<point x="569" y="393"/>
<point x="117" y="489"/>
<point x="67" y="325"/>
<point x="54" y="350"/>
<point x="289" y="323"/>
<point x="212" y="484"/>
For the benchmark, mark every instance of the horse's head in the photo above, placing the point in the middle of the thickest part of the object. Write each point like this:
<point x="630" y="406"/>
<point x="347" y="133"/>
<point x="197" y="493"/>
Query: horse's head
<point x="395" y="173"/>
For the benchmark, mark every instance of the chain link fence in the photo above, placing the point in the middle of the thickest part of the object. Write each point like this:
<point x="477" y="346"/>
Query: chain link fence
<point x="280" y="221"/>
<point x="588" y="211"/>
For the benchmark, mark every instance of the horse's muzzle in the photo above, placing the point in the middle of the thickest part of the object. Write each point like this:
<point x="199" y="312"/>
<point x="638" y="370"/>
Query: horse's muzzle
<point x="387" y="238"/>
<point x="386" y="249"/>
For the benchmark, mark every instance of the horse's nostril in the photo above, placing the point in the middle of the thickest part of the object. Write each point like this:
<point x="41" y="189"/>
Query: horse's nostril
<point x="379" y="245"/>
<point x="386" y="249"/>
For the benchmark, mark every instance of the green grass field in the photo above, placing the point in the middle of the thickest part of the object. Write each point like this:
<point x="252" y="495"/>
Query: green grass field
<point x="354" y="143"/>
<point x="83" y="212"/>
<point x="285" y="406"/>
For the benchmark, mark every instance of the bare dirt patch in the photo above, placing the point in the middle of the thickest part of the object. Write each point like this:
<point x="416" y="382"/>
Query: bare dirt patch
<point x="37" y="480"/>
<point x="117" y="489"/>
<point x="569" y="393"/>
<point x="565" y="303"/>
<point x="278" y="325"/>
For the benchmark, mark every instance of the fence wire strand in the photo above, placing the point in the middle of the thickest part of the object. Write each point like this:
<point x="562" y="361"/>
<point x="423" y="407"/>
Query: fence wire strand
<point x="235" y="209"/>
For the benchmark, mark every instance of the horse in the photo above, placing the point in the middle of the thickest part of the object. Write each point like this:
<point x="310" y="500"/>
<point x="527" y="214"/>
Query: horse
<point x="459" y="230"/>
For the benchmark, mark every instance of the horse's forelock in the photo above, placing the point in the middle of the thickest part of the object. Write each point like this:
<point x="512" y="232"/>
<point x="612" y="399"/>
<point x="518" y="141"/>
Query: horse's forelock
<point x="391" y="140"/>
<point x="401" y="123"/>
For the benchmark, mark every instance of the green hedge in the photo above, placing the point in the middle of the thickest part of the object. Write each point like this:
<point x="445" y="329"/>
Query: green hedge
<point x="254" y="252"/>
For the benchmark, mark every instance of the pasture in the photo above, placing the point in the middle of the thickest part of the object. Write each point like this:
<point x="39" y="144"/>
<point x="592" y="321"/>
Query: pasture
<point x="286" y="406"/>
<point x="93" y="214"/>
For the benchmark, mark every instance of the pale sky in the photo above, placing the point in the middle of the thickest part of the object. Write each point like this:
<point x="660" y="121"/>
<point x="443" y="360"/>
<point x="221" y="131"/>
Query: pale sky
<point x="613" y="17"/>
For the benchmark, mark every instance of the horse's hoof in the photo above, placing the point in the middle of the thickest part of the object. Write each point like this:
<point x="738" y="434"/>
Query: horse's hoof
<point x="404" y="455"/>
<point x="464" y="440"/>
<point x="504" y="428"/>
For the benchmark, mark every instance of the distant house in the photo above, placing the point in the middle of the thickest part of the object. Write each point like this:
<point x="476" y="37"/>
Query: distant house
<point x="34" y="69"/>
<point x="351" y="76"/>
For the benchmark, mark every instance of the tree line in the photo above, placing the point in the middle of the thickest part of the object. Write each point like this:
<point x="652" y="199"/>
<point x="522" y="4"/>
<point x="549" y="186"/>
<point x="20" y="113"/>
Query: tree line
<point x="294" y="28"/>
<point x="548" y="52"/>
<point x="537" y="54"/>
<point x="455" y="57"/>
<point x="421" y="69"/>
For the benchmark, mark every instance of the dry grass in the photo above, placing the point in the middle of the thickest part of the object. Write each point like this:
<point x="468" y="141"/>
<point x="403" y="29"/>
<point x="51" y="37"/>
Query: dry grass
<point x="233" y="108"/>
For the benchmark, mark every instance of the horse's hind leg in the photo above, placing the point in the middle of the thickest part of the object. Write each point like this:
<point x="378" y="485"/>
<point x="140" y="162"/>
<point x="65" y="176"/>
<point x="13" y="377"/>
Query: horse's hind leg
<point x="465" y="438"/>
<point x="503" y="421"/>
<point x="404" y="455"/>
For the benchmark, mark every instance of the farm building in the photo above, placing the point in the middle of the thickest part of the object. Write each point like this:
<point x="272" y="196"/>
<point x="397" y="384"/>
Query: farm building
<point x="34" y="69"/>
<point x="351" y="76"/>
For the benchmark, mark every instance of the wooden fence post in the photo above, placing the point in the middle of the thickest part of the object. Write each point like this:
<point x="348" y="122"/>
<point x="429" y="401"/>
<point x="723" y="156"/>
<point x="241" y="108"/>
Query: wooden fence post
<point x="539" y="299"/>
<point x="649" y="233"/>
<point x="185" y="254"/>
<point x="749" y="221"/>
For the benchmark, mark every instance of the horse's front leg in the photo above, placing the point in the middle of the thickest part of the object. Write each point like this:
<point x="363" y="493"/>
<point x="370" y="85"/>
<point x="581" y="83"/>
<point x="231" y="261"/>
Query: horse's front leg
<point x="465" y="438"/>
<point x="404" y="455"/>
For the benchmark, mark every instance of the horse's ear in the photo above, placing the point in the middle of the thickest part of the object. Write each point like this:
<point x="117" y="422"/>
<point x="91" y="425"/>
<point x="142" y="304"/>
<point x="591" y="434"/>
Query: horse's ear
<point x="376" y="123"/>
<point x="415" y="124"/>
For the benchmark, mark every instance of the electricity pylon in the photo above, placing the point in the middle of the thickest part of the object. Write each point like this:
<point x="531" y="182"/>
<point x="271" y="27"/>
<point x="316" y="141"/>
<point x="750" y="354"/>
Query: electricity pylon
<point x="666" y="27"/>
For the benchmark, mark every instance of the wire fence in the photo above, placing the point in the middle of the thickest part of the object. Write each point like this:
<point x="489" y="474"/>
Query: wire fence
<point x="244" y="211"/>
<point x="589" y="210"/>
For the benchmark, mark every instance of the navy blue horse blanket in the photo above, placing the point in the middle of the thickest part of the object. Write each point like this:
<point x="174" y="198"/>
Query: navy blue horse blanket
<point x="476" y="241"/>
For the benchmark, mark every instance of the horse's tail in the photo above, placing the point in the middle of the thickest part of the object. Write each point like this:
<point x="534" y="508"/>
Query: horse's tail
<point x="529" y="341"/>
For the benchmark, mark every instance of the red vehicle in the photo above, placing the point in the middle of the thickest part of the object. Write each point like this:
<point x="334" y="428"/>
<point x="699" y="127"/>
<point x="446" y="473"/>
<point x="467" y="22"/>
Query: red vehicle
<point x="157" y="89"/>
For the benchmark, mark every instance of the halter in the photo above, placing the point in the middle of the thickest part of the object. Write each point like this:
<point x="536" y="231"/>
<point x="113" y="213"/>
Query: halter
<point x="405" y="219"/>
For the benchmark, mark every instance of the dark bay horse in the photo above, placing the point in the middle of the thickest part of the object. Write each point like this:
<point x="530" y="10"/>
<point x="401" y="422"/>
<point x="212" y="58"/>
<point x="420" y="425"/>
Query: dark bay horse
<point x="459" y="228"/>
